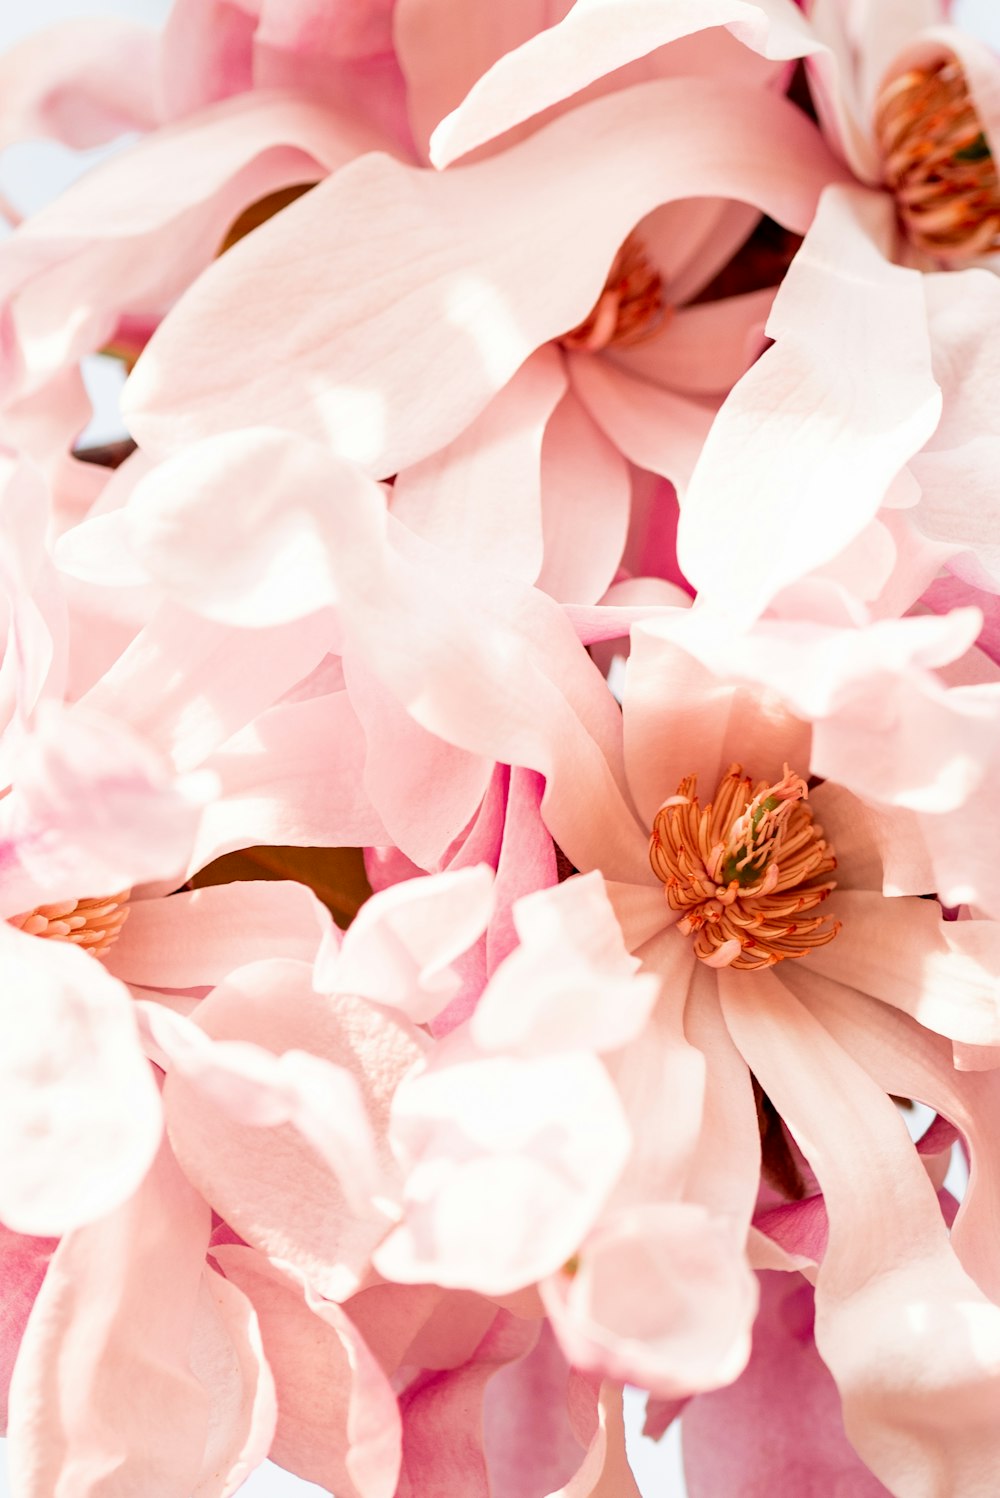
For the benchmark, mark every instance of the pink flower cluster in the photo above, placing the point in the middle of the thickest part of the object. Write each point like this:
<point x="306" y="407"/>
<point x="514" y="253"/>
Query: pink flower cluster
<point x="562" y="462"/>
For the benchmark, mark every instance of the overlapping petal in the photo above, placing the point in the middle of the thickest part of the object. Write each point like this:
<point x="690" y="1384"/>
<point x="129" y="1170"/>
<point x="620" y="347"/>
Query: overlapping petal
<point x="457" y="304"/>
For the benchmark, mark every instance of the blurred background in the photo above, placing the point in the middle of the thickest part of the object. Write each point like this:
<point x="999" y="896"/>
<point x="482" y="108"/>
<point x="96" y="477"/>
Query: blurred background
<point x="35" y="172"/>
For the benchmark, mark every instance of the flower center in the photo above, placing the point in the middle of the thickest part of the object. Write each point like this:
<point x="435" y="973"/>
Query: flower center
<point x="93" y="924"/>
<point x="937" y="161"/>
<point x="745" y="870"/>
<point x="631" y="307"/>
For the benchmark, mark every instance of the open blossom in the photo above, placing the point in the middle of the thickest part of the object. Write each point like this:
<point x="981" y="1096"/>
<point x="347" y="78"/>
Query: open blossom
<point x="547" y="296"/>
<point x="443" y="387"/>
<point x="910" y="104"/>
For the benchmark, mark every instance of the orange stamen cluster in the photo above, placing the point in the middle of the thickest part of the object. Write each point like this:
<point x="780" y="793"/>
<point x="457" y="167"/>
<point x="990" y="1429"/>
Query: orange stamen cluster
<point x="92" y="924"/>
<point x="631" y="307"/>
<point x="745" y="870"/>
<point x="937" y="162"/>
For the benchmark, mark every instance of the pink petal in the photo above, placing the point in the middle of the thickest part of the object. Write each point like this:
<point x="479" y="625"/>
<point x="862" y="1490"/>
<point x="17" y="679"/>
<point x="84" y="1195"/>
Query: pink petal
<point x="526" y="861"/>
<point x="249" y="1086"/>
<point x="958" y="503"/>
<point x="512" y="1160"/>
<point x="426" y="791"/>
<point x="82" y="82"/>
<point x="570" y="983"/>
<point x="724" y="1165"/>
<point x="704" y="349"/>
<point x="481" y="495"/>
<point x="842" y="306"/>
<point x="206" y="53"/>
<point x="137" y="229"/>
<point x="606" y="1472"/>
<point x="585" y="505"/>
<point x="228" y="1360"/>
<point x="34" y="655"/>
<point x="341" y="55"/>
<point x="589" y="42"/>
<point x="949" y="592"/>
<point x="82" y="1116"/>
<point x="533" y="1439"/>
<point x="662" y="1298"/>
<point x="903" y="952"/>
<point x="710" y="724"/>
<point x="420" y="1326"/>
<point x="877" y="847"/>
<point x="24" y="1261"/>
<point x="444" y="49"/>
<point x="786" y="1390"/>
<point x="909" y="1061"/>
<point x="654" y="428"/>
<point x="269" y="776"/>
<point x="270" y="582"/>
<point x="438" y="287"/>
<point x="103" y="1383"/>
<point x="474" y="641"/>
<point x="442" y="1418"/>
<point x="94" y="809"/>
<point x="268" y="1182"/>
<point x="913" y="1345"/>
<point x="513" y="836"/>
<point x="661" y="1079"/>
<point x="196" y="938"/>
<point x="188" y="683"/>
<point x="399" y="948"/>
<point x="338" y="1424"/>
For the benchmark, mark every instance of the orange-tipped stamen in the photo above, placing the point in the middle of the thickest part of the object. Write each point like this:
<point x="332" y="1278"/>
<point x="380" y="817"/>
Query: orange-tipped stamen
<point x="938" y="163"/>
<point x="745" y="870"/>
<point x="93" y="924"/>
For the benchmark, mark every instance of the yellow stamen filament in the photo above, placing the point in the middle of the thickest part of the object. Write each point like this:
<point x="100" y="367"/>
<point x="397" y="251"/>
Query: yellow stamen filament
<point x="937" y="162"/>
<point x="745" y="870"/>
<point x="92" y="924"/>
<point x="631" y="307"/>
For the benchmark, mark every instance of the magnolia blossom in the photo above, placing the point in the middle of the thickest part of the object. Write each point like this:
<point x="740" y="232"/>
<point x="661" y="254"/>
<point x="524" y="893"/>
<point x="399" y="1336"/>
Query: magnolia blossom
<point x="548" y="297"/>
<point x="501" y="508"/>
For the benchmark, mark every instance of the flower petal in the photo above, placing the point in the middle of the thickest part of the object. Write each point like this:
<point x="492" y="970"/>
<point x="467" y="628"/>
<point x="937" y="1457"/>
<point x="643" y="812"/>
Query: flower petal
<point x="338" y="1424"/>
<point x="903" y="952"/>
<point x="399" y="948"/>
<point x="196" y="938"/>
<point x="591" y="41"/>
<point x="437" y="288"/>
<point x="913" y="1345"/>
<point x="103" y="1382"/>
<point x="268" y="1182"/>
<point x="849" y="377"/>
<point x="81" y="1112"/>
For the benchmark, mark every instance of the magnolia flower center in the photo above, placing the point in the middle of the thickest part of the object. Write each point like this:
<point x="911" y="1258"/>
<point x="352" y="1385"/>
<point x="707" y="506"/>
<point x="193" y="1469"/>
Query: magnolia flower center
<point x="937" y="162"/>
<point x="630" y="308"/>
<point x="745" y="870"/>
<point x="92" y="924"/>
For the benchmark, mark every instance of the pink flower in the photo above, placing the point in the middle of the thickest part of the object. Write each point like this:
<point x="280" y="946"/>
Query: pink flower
<point x="555" y="357"/>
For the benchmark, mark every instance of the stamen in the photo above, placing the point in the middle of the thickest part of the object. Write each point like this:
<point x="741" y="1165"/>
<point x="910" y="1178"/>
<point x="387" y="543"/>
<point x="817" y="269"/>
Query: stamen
<point x="745" y="871"/>
<point x="631" y="307"/>
<point x="93" y="924"/>
<point x="937" y="162"/>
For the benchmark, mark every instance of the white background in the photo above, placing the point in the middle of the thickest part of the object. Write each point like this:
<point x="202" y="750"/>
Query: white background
<point x="32" y="174"/>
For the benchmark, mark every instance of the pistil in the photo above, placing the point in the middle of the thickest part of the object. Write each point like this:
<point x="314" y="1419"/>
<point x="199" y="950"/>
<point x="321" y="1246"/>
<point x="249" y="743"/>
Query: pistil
<point x="746" y="870"/>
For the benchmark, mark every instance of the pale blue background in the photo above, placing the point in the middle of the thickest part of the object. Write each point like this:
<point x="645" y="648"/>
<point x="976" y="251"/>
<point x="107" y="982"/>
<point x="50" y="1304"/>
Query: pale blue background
<point x="31" y="175"/>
